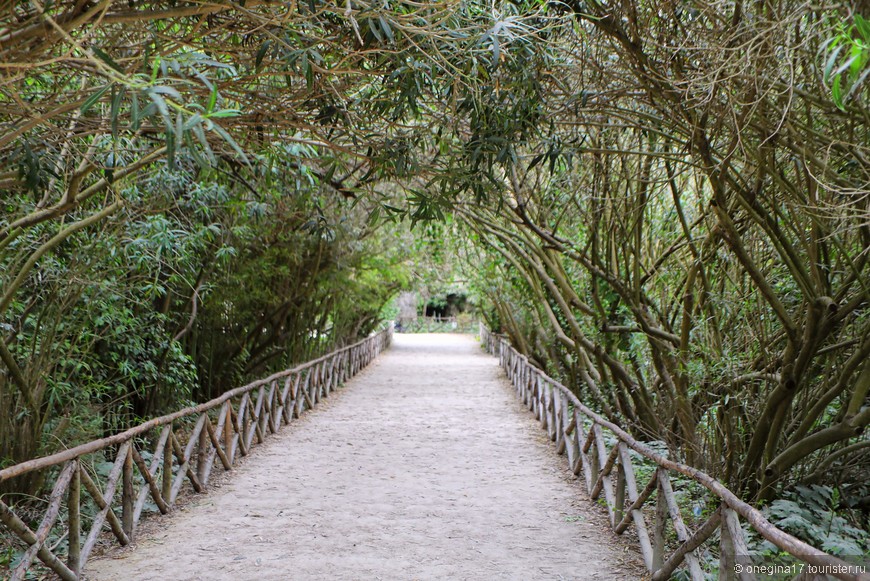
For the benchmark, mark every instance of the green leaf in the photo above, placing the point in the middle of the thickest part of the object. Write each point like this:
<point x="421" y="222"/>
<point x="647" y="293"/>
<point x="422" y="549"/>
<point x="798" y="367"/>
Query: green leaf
<point x="330" y="173"/>
<point x="107" y="59"/>
<point x="195" y="119"/>
<point x="309" y="76"/>
<point x="230" y="141"/>
<point x="535" y="161"/>
<point x="858" y="83"/>
<point x="832" y="61"/>
<point x="385" y="26"/>
<point x="194" y="151"/>
<point x="170" y="150"/>
<point x="223" y="113"/>
<point x="170" y="91"/>
<point x="212" y="99"/>
<point x="134" y="112"/>
<point x="117" y="98"/>
<point x="858" y="61"/>
<point x="863" y="26"/>
<point x="94" y="98"/>
<point x="837" y="93"/>
<point x="374" y="216"/>
<point x="179" y="127"/>
<point x="373" y="28"/>
<point x="155" y="68"/>
<point x="199" y="133"/>
<point x="160" y="103"/>
<point x="258" y="60"/>
<point x="845" y="66"/>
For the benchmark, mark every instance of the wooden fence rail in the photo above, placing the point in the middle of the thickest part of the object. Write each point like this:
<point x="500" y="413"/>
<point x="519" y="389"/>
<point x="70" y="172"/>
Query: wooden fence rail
<point x="610" y="473"/>
<point x="219" y="431"/>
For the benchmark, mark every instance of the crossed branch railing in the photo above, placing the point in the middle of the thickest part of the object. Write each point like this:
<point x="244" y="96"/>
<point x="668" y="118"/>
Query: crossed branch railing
<point x="225" y="429"/>
<point x="610" y="472"/>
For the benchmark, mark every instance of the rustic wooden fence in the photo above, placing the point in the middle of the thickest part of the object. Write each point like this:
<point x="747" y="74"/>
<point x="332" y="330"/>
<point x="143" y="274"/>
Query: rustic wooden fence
<point x="189" y="444"/>
<point x="610" y="472"/>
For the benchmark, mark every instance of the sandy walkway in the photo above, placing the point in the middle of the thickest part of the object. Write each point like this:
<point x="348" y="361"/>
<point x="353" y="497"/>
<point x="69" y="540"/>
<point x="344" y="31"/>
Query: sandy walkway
<point x="424" y="466"/>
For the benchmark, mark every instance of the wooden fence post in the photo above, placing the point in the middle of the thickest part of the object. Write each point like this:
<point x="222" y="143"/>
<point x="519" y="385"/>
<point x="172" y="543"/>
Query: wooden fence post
<point x="73" y="503"/>
<point x="732" y="548"/>
<point x="228" y="433"/>
<point x="661" y="524"/>
<point x="127" y="494"/>
<point x="202" y="453"/>
<point x="619" y="497"/>
<point x="167" y="468"/>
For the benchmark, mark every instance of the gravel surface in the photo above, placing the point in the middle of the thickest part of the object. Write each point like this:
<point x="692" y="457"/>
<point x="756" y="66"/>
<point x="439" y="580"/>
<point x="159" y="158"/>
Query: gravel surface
<point x="424" y="466"/>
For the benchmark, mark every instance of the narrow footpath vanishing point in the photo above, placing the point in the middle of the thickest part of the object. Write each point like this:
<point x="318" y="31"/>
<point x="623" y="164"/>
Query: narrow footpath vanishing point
<point x="424" y="466"/>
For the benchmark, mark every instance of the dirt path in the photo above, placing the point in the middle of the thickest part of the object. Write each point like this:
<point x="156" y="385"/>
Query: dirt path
<point x="424" y="466"/>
